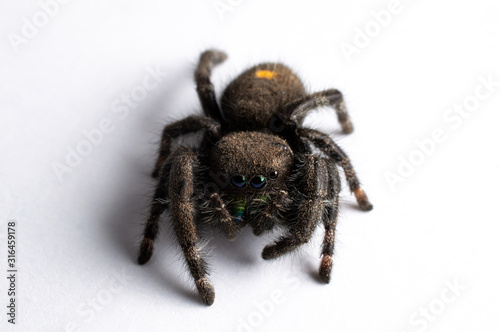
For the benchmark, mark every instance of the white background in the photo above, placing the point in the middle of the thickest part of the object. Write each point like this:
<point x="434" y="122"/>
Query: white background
<point x="78" y="232"/>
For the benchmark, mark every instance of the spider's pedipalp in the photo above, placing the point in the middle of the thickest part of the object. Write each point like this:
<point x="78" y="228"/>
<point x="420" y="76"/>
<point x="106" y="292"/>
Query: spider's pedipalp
<point x="221" y="216"/>
<point x="271" y="214"/>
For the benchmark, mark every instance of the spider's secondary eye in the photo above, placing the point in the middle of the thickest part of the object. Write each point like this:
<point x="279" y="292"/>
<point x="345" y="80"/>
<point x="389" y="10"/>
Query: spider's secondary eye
<point x="238" y="181"/>
<point x="258" y="182"/>
<point x="273" y="174"/>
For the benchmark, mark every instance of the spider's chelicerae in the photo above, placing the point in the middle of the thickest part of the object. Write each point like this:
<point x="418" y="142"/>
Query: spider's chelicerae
<point x="256" y="165"/>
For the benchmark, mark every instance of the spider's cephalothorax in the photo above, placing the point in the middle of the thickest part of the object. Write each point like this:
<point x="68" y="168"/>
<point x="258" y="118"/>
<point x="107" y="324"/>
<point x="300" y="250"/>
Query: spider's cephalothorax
<point x="255" y="166"/>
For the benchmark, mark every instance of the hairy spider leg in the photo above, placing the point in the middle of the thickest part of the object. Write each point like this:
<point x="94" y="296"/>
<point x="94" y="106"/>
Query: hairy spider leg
<point x="158" y="206"/>
<point x="185" y="126"/>
<point x="204" y="86"/>
<point x="297" y="110"/>
<point x="181" y="194"/>
<point x="330" y="214"/>
<point x="308" y="211"/>
<point x="177" y="179"/>
<point x="330" y="148"/>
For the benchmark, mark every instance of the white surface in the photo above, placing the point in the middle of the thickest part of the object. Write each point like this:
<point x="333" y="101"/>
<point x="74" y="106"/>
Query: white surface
<point x="76" y="235"/>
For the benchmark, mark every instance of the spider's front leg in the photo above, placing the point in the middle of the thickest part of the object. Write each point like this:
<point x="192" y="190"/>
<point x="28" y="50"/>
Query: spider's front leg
<point x="181" y="193"/>
<point x="330" y="214"/>
<point x="177" y="183"/>
<point x="309" y="208"/>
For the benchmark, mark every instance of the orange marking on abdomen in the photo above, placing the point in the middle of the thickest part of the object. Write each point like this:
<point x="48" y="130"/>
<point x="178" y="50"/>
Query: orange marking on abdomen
<point x="267" y="74"/>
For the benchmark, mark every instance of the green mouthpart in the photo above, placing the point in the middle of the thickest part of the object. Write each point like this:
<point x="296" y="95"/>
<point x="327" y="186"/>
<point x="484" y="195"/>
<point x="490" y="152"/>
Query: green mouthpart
<point x="241" y="205"/>
<point x="240" y="209"/>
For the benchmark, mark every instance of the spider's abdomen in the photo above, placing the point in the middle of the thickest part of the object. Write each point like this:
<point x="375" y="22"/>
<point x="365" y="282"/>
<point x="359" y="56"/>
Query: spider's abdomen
<point x="253" y="97"/>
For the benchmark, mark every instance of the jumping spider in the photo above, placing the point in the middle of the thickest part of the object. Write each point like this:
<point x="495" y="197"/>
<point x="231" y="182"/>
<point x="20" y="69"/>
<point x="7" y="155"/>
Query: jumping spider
<point x="255" y="165"/>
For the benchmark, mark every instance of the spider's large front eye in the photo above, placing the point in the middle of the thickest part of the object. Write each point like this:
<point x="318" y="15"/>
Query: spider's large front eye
<point x="239" y="181"/>
<point x="258" y="182"/>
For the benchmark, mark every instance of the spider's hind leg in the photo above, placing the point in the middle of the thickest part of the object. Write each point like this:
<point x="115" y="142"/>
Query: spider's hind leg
<point x="204" y="86"/>
<point x="297" y="110"/>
